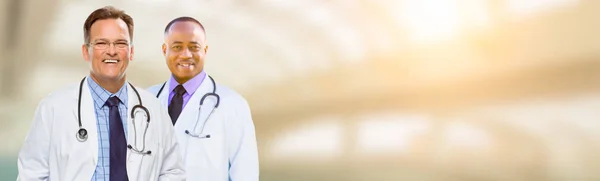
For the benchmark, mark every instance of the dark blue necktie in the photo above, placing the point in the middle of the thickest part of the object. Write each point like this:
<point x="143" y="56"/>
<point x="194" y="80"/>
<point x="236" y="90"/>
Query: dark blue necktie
<point x="118" y="144"/>
<point x="176" y="104"/>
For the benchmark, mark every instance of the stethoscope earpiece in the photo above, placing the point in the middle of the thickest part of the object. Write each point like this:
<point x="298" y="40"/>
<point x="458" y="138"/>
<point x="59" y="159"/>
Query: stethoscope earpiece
<point x="195" y="135"/>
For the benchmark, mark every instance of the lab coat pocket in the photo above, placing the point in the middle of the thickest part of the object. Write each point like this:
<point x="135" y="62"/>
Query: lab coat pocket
<point x="143" y="161"/>
<point x="206" y="157"/>
<point x="75" y="157"/>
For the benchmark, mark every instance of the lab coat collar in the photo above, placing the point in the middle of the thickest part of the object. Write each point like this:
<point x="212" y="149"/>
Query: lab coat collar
<point x="204" y="88"/>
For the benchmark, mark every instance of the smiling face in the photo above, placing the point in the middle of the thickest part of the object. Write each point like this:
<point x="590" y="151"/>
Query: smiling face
<point x="109" y="50"/>
<point x="184" y="50"/>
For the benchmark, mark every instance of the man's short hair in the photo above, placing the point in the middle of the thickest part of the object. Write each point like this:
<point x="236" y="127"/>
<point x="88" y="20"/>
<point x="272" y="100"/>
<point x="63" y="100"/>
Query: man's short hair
<point x="107" y="12"/>
<point x="183" y="19"/>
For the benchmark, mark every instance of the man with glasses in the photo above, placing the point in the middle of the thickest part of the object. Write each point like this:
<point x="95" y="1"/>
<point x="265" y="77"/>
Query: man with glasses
<point x="102" y="128"/>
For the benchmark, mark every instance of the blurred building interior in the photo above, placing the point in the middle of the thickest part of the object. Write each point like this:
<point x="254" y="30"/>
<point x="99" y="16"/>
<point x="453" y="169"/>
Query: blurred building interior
<point x="356" y="89"/>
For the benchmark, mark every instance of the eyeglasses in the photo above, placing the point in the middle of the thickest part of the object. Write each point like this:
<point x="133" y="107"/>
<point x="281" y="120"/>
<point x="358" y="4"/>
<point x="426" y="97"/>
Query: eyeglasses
<point x="101" y="45"/>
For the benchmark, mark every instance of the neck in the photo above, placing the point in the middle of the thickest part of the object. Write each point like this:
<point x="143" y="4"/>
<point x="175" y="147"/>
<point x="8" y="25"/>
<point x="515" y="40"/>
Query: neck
<point x="181" y="81"/>
<point x="110" y="85"/>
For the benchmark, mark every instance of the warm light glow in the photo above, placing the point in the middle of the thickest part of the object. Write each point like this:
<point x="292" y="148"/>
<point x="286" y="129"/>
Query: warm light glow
<point x="440" y="20"/>
<point x="520" y="8"/>
<point x="334" y="26"/>
<point x="321" y="139"/>
<point x="389" y="134"/>
<point x="475" y="13"/>
<point x="429" y="20"/>
<point x="461" y="134"/>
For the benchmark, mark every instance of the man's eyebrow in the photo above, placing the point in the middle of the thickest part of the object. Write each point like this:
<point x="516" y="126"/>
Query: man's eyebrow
<point x="101" y="39"/>
<point x="106" y="40"/>
<point x="192" y="42"/>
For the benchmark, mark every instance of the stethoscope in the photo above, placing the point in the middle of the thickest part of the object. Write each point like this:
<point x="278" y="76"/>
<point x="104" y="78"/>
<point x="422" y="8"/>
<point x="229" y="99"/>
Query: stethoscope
<point x="214" y="94"/>
<point x="82" y="134"/>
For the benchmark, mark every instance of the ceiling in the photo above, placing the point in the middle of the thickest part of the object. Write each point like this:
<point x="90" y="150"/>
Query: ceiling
<point x="249" y="43"/>
<point x="271" y="42"/>
<point x="317" y="49"/>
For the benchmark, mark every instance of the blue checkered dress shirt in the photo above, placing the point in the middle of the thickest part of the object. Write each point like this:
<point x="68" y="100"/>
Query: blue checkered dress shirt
<point x="100" y="95"/>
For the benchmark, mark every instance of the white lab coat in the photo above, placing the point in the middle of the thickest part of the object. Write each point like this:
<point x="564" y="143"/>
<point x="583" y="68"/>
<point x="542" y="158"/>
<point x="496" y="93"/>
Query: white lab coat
<point x="231" y="152"/>
<point x="51" y="150"/>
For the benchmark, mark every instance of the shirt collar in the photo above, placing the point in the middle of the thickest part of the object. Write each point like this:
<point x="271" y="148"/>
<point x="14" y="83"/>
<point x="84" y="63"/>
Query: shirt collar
<point x="104" y="94"/>
<point x="190" y="86"/>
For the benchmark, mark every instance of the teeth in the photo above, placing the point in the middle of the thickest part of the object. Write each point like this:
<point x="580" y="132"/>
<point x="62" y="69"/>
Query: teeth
<point x="111" y="61"/>
<point x="186" y="64"/>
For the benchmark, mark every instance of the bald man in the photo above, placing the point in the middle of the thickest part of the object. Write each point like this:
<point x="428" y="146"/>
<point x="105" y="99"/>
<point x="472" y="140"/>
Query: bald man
<point x="213" y="123"/>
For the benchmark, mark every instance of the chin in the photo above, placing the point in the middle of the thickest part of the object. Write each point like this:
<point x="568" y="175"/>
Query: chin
<point x="111" y="76"/>
<point x="185" y="75"/>
<point x="185" y="70"/>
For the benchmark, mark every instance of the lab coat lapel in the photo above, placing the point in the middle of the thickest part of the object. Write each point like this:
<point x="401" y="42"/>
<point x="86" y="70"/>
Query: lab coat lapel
<point x="189" y="114"/>
<point x="89" y="120"/>
<point x="132" y="100"/>
<point x="164" y="94"/>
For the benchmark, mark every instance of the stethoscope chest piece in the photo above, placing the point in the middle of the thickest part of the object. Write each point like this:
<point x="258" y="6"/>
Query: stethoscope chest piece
<point x="82" y="135"/>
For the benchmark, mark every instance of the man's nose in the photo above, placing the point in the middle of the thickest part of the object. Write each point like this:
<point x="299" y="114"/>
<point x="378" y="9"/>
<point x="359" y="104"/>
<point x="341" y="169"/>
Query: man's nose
<point x="186" y="53"/>
<point x="112" y="50"/>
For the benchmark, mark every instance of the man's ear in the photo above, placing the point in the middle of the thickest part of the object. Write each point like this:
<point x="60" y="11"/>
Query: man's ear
<point x="85" y="52"/>
<point x="205" y="49"/>
<point x="164" y="49"/>
<point x="131" y="53"/>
